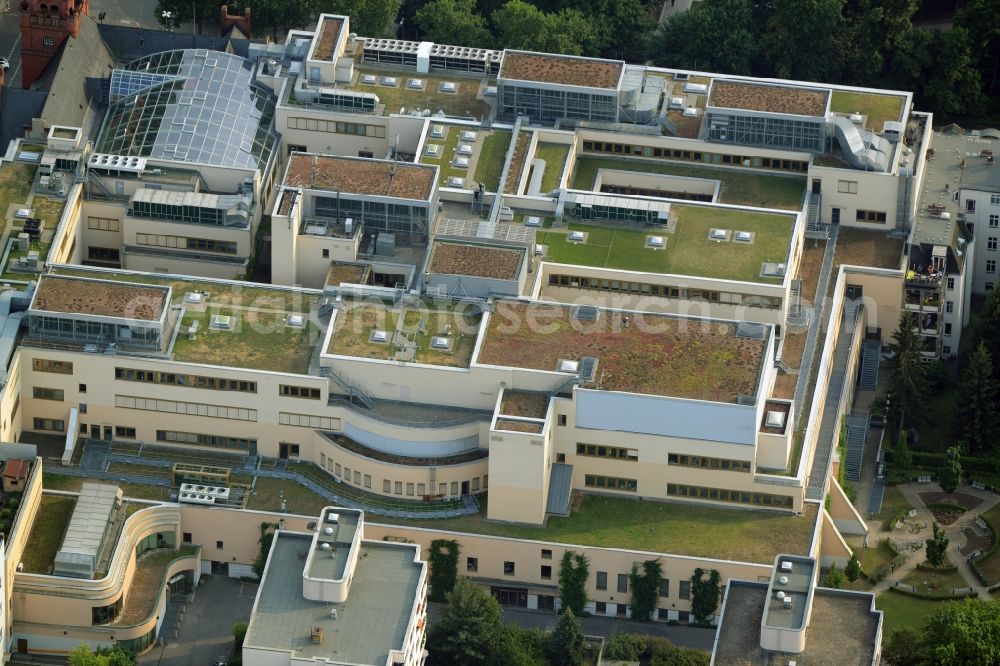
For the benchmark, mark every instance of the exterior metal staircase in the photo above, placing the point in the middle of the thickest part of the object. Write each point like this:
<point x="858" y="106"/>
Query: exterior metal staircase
<point x="871" y="352"/>
<point x="857" y="432"/>
<point x="354" y="393"/>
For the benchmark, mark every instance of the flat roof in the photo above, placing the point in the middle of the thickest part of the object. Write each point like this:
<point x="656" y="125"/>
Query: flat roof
<point x="358" y="175"/>
<point x="794" y="583"/>
<point x="92" y="514"/>
<point x="76" y="295"/>
<point x="843" y="629"/>
<point x="499" y="263"/>
<point x="370" y="624"/>
<point x="646" y="353"/>
<point x="327" y="35"/>
<point x="769" y="98"/>
<point x="561" y="69"/>
<point x="331" y="564"/>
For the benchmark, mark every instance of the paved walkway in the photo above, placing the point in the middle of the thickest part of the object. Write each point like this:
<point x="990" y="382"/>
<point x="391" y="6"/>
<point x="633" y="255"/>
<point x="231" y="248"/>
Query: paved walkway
<point x="954" y="533"/>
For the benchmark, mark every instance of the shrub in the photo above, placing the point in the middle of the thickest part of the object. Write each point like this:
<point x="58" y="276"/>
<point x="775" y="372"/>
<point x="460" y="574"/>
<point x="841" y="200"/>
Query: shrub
<point x="624" y="647"/>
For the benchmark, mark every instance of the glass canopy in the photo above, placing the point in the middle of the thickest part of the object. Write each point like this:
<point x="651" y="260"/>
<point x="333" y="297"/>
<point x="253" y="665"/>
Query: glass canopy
<point x="190" y="105"/>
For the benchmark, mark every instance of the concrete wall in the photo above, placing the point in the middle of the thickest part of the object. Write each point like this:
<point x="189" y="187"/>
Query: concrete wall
<point x="862" y="190"/>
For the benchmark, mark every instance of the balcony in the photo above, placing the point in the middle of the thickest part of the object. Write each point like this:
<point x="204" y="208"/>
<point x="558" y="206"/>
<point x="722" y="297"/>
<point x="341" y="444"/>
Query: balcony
<point x="929" y="347"/>
<point x="921" y="299"/>
<point x="927" y="324"/>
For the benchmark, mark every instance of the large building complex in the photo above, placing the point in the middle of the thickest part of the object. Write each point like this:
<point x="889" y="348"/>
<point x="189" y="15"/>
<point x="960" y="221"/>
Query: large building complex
<point x="533" y="276"/>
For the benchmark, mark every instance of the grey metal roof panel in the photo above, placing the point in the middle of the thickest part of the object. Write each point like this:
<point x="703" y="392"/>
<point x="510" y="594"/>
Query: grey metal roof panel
<point x="560" y="485"/>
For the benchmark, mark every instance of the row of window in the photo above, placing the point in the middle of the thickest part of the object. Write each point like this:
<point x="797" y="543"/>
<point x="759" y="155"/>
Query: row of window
<point x="694" y="156"/>
<point x="729" y="298"/>
<point x="103" y="224"/>
<point x="43" y="393"/>
<point x="188" y="408"/>
<point x="336" y="127"/>
<point x="723" y="495"/>
<point x="309" y="421"/>
<point x="610" y="482"/>
<point x="847" y="186"/>
<point x="54" y="425"/>
<point x="870" y="216"/>
<point x="401" y="488"/>
<point x="190" y="381"/>
<point x="299" y="392"/>
<point x="57" y="367"/>
<point x="607" y="452"/>
<point x="709" y="463"/>
<point x="186" y="243"/>
<point x="201" y="439"/>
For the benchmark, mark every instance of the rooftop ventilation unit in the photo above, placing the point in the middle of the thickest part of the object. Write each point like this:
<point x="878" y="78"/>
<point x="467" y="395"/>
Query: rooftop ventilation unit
<point x="448" y="87"/>
<point x="681" y="76"/>
<point x="455" y="181"/>
<point x="588" y="368"/>
<point x="751" y="330"/>
<point x="437" y="131"/>
<point x="468" y="135"/>
<point x="576" y="236"/>
<point x="325" y="546"/>
<point x="432" y="150"/>
<point x="465" y="149"/>
<point x="389" y="81"/>
<point x="333" y="613"/>
<point x="788" y="602"/>
<point x="566" y="365"/>
<point x="380" y="336"/>
<point x="655" y="241"/>
<point x="539" y="250"/>
<point x="222" y="322"/>
<point x="780" y="596"/>
<point x="585" y="313"/>
<point x="690" y="112"/>
<point x="676" y="102"/>
<point x="298" y="321"/>
<point x="440" y="342"/>
<point x="491" y="91"/>
<point x="856" y="118"/>
<point x="696" y="88"/>
<point x="718" y="234"/>
<point x="786" y="566"/>
<point x="415" y="84"/>
<point x="532" y="221"/>
<point x="744" y="236"/>
<point x="461" y="163"/>
<point x="783" y="580"/>
<point x="775" y="419"/>
<point x="195" y="298"/>
<point x="369" y="79"/>
<point x="333" y="518"/>
<point x="328" y="531"/>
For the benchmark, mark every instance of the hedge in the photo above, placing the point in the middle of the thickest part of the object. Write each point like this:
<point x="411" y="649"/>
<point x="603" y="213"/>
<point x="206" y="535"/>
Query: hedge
<point x="931" y="597"/>
<point x="947" y="569"/>
<point x="974" y="564"/>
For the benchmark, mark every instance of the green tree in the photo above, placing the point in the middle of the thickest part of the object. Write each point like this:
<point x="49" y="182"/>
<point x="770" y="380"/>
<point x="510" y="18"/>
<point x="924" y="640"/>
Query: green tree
<point x="678" y="656"/>
<point x="469" y="630"/>
<point x="952" y="85"/>
<point x="902" y="648"/>
<point x="453" y="22"/>
<point x="520" y="25"/>
<point x="624" y="647"/>
<point x="906" y="375"/>
<point x="901" y="456"/>
<point x="981" y="20"/>
<point x="371" y="18"/>
<point x="986" y="330"/>
<point x="976" y="401"/>
<point x="876" y="29"/>
<point x="834" y="578"/>
<point x="950" y="473"/>
<point x="852" y="571"/>
<point x="573" y="574"/>
<point x="712" y="36"/>
<point x="566" y="645"/>
<point x="443" y="560"/>
<point x="963" y="634"/>
<point x="271" y="16"/>
<point x="801" y="41"/>
<point x="644" y="589"/>
<point x="264" y="547"/>
<point x="937" y="547"/>
<point x="104" y="656"/>
<point x="706" y="590"/>
<point x="628" y="31"/>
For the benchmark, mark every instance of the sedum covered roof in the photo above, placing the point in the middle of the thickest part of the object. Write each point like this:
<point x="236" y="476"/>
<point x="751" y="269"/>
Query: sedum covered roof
<point x="190" y="105"/>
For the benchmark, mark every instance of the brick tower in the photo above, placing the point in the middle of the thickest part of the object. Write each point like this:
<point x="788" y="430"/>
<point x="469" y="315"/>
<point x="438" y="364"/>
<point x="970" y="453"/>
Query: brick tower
<point x="45" y="26"/>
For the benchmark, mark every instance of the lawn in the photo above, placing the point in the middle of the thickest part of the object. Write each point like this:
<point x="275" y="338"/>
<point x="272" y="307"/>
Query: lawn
<point x="892" y="503"/>
<point x="878" y="108"/>
<point x="517" y="162"/>
<point x="554" y="155"/>
<point x="461" y="104"/>
<point x="48" y="210"/>
<point x="47" y="533"/>
<point x="258" y="340"/>
<point x="148" y="583"/>
<point x="858" y="247"/>
<point x="15" y="184"/>
<point x="689" y="250"/>
<point x="728" y="534"/>
<point x="902" y="611"/>
<point x="133" y="490"/>
<point x="873" y="558"/>
<point x="738" y="186"/>
<point x="444" y="160"/>
<point x="934" y="583"/>
<point x="491" y="158"/>
<point x="268" y="492"/>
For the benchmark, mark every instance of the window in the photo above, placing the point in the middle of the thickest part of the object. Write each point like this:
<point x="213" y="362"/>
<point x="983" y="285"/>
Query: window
<point x="218" y="545"/>
<point x="201" y="439"/>
<point x="57" y="367"/>
<point x="124" y="432"/>
<point x="188" y="408"/>
<point x="409" y="490"/>
<point x="662" y="614"/>
<point x="684" y="589"/>
<point x="994" y="221"/>
<point x="368" y="481"/>
<point x="187" y="537"/>
<point x="991" y="267"/>
<point x="561" y="420"/>
<point x="949" y="306"/>
<point x="83" y="388"/>
<point x="610" y="483"/>
<point x="989" y="286"/>
<point x="105" y="614"/>
<point x="326" y="253"/>
<point x="399" y="487"/>
<point x="337" y="471"/>
<point x="472" y="564"/>
<point x="42" y="393"/>
<point x="725" y="495"/>
<point x="664" y="587"/>
<point x="597" y="451"/>
<point x="602" y="580"/>
<point x="386" y="485"/>
<point x="83" y="408"/>
<point x="708" y="463"/>
<point x="947" y="329"/>
<point x="623" y="582"/>
<point x="970" y="205"/>
<point x="601" y="607"/>
<point x="299" y="392"/>
<point x="847" y="186"/>
<point x="870" y="216"/>
<point x="995" y="199"/>
<point x="951" y="283"/>
<point x="546" y="572"/>
<point x="508" y="568"/>
<point x="546" y="554"/>
<point x="186" y="243"/>
<point x="188" y="381"/>
<point x="55" y="425"/>
<point x="946" y="350"/>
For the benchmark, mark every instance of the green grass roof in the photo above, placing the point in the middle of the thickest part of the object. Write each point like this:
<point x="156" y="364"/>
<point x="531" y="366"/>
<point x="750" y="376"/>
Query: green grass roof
<point x="688" y="251"/>
<point x="878" y="107"/>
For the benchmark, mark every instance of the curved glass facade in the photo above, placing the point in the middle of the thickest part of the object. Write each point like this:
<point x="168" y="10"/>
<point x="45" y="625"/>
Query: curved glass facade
<point x="190" y="105"/>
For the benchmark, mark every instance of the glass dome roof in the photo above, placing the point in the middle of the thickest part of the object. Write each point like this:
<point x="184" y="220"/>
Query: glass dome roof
<point x="190" y="105"/>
